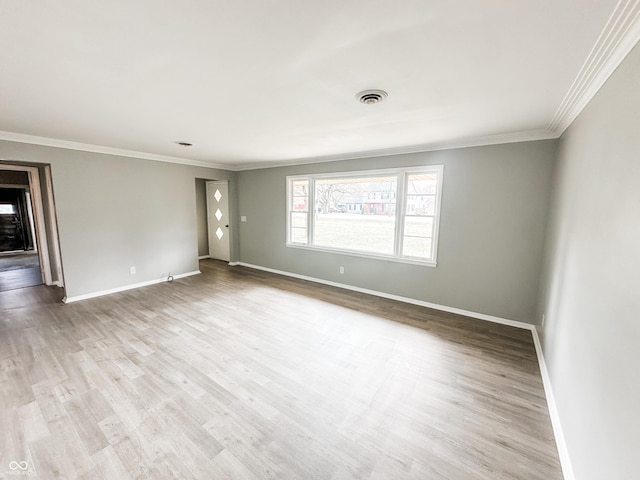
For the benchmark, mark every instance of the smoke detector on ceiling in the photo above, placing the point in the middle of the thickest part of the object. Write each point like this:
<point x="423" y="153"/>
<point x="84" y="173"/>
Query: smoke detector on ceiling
<point x="370" y="97"/>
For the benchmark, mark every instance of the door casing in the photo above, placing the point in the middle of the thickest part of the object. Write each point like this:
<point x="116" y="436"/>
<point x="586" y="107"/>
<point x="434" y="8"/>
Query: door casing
<point x="218" y="220"/>
<point x="44" y="252"/>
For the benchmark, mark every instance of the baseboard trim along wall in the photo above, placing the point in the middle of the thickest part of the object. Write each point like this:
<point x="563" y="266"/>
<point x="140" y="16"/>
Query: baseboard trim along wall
<point x="413" y="301"/>
<point x="561" y="444"/>
<point x="86" y="296"/>
<point x="563" y="452"/>
<point x="202" y="257"/>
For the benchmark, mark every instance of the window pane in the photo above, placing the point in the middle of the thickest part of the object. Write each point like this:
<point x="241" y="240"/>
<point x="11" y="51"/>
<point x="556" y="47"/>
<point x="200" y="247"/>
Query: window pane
<point x="300" y="204"/>
<point x="300" y="195"/>
<point x="421" y="204"/>
<point x="299" y="220"/>
<point x="7" y="209"/>
<point x="356" y="213"/>
<point x="422" y="183"/>
<point x="416" y="247"/>
<point x="298" y="235"/>
<point x="300" y="188"/>
<point x="298" y="208"/>
<point x="418" y="226"/>
<point x="365" y="233"/>
<point x="417" y="237"/>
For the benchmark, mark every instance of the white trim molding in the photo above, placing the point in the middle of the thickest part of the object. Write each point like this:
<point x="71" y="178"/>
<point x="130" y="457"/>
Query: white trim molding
<point x="53" y="227"/>
<point x="401" y="195"/>
<point x="42" y="239"/>
<point x="202" y="257"/>
<point x="86" y="147"/>
<point x="486" y="140"/>
<point x="101" y="293"/>
<point x="561" y="445"/>
<point x="481" y="141"/>
<point x="620" y="34"/>
<point x="413" y="301"/>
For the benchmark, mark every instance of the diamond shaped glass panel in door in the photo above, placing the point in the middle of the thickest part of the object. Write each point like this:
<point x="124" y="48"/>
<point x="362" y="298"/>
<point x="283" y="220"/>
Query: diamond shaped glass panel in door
<point x="218" y="220"/>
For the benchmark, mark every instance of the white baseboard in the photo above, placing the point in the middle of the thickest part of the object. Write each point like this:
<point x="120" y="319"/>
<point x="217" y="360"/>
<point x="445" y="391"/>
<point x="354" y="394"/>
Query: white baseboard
<point x="202" y="257"/>
<point x="126" y="287"/>
<point x="413" y="301"/>
<point x="234" y="264"/>
<point x="563" y="452"/>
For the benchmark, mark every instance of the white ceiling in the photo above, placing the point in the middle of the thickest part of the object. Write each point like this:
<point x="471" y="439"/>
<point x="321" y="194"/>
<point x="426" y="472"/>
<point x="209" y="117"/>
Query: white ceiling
<point x="261" y="82"/>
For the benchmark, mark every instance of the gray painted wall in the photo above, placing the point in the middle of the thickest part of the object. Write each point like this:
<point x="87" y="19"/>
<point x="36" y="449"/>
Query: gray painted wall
<point x="590" y="294"/>
<point x="114" y="212"/>
<point x="201" y="217"/>
<point x="494" y="211"/>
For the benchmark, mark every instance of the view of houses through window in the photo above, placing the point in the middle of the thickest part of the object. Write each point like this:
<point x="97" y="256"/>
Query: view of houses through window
<point x="390" y="213"/>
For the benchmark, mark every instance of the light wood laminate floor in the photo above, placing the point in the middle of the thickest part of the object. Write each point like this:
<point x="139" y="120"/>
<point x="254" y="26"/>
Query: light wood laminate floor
<point x="240" y="374"/>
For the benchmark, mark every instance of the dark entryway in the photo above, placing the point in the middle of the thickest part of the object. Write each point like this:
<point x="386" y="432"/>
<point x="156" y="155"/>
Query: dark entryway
<point x="19" y="262"/>
<point x="15" y="226"/>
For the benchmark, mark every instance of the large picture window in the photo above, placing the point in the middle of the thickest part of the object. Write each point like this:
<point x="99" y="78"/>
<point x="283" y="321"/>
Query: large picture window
<point x="381" y="213"/>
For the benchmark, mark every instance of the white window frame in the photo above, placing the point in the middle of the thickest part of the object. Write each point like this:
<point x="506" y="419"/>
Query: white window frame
<point x="400" y="206"/>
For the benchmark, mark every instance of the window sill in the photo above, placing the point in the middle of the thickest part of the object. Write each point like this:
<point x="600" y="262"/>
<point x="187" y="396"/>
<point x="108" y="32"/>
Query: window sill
<point x="372" y="256"/>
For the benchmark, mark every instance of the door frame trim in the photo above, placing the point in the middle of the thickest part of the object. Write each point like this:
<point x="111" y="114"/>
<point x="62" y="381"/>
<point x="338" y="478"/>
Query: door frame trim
<point x="41" y="231"/>
<point x="210" y="214"/>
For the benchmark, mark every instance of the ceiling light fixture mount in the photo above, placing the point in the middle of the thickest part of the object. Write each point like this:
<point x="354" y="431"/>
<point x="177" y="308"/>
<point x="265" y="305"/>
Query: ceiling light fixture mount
<point x="370" y="97"/>
<point x="184" y="144"/>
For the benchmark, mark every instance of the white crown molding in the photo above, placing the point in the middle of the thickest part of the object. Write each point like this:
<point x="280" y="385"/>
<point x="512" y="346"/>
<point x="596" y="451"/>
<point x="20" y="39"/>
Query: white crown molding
<point x="525" y="136"/>
<point x="620" y="34"/>
<point x="86" y="147"/>
<point x="515" y="137"/>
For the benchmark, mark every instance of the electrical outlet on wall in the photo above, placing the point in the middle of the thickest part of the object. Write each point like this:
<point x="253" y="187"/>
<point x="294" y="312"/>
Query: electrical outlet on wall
<point x="341" y="270"/>
<point x="243" y="218"/>
<point x="132" y="270"/>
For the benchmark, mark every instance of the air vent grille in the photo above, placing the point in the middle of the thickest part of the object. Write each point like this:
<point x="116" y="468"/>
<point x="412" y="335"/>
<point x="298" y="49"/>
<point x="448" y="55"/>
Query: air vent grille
<point x="370" y="97"/>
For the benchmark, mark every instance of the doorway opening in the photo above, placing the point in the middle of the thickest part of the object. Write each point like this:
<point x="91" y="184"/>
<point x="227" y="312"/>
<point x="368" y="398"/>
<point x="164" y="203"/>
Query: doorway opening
<point x="218" y="220"/>
<point x="29" y="247"/>
<point x="213" y="221"/>
<point x="19" y="262"/>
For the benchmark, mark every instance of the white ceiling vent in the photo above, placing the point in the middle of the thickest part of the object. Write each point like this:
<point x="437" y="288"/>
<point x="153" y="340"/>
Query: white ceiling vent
<point x="371" y="96"/>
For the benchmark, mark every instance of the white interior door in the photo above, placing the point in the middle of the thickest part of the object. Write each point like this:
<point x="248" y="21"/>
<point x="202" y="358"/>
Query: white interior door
<point x="218" y="216"/>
